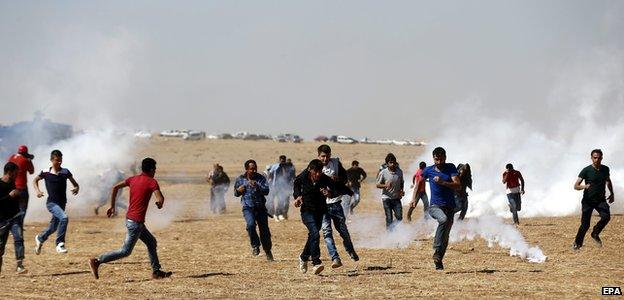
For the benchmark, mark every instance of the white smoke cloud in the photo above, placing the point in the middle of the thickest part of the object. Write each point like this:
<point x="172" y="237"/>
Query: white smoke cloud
<point x="369" y="232"/>
<point x="585" y="106"/>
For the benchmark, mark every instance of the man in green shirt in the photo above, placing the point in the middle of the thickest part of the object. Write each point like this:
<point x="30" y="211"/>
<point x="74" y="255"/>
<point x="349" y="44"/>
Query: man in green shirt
<point x="596" y="177"/>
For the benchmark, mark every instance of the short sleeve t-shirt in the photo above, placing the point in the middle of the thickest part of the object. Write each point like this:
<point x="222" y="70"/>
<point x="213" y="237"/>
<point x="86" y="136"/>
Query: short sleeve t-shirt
<point x="417" y="178"/>
<point x="441" y="195"/>
<point x="56" y="185"/>
<point x="395" y="179"/>
<point x="25" y="166"/>
<point x="513" y="181"/>
<point x="141" y="188"/>
<point x="597" y="179"/>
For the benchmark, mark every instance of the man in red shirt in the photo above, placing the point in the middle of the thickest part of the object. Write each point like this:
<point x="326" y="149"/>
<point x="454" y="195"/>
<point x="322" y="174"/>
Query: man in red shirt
<point x="419" y="193"/>
<point x="23" y="160"/>
<point x="515" y="187"/>
<point x="141" y="188"/>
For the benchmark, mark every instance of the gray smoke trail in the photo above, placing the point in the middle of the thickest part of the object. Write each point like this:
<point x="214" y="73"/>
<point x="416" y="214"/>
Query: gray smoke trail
<point x="369" y="231"/>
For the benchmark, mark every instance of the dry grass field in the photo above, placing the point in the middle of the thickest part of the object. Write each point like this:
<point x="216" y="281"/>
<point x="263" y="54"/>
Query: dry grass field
<point x="210" y="254"/>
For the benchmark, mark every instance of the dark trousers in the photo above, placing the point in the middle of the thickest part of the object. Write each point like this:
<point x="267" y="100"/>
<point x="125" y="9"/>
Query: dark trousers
<point x="312" y="249"/>
<point x="586" y="211"/>
<point x="461" y="205"/>
<point x="392" y="207"/>
<point x="258" y="216"/>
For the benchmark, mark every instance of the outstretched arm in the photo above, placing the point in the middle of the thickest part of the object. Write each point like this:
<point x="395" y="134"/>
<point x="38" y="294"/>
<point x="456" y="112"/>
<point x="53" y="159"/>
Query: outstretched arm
<point x="115" y="190"/>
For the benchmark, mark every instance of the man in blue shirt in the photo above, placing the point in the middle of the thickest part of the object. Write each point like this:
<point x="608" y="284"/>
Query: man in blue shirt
<point x="252" y="188"/>
<point x="443" y="181"/>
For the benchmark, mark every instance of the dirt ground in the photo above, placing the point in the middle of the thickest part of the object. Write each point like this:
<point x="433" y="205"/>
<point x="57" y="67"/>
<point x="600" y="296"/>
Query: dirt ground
<point x="211" y="258"/>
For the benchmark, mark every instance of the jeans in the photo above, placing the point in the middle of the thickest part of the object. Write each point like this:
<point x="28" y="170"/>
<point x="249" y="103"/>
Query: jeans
<point x="425" y="201"/>
<point x="5" y="228"/>
<point x="59" y="221"/>
<point x="461" y="205"/>
<point x="587" y="208"/>
<point x="17" y="227"/>
<point x="335" y="213"/>
<point x="514" y="205"/>
<point x="354" y="201"/>
<point x="444" y="216"/>
<point x="259" y="216"/>
<point x="392" y="206"/>
<point x="283" y="203"/>
<point x="136" y="231"/>
<point x="217" y="199"/>
<point x="313" y="222"/>
<point x="346" y="205"/>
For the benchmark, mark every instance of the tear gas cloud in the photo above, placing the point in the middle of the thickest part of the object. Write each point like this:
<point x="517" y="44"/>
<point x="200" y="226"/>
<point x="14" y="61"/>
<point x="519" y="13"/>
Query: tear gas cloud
<point x="369" y="232"/>
<point x="585" y="108"/>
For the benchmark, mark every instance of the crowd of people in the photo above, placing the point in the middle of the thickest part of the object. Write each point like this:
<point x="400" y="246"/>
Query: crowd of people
<point x="325" y="192"/>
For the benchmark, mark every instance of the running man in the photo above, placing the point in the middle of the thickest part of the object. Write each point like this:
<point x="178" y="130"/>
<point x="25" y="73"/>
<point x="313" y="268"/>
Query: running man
<point x="334" y="170"/>
<point x="252" y="187"/>
<point x="219" y="184"/>
<point x="107" y="180"/>
<point x="514" y="182"/>
<point x="23" y="160"/>
<point x="355" y="177"/>
<point x="419" y="193"/>
<point x="443" y="181"/>
<point x="10" y="213"/>
<point x="390" y="180"/>
<point x="596" y="177"/>
<point x="311" y="188"/>
<point x="461" y="195"/>
<point x="142" y="187"/>
<point x="56" y="185"/>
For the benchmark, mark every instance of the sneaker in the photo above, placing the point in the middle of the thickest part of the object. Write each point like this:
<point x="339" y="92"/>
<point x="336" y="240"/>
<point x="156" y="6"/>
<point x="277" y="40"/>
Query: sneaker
<point x="437" y="260"/>
<point x="160" y="274"/>
<point x="354" y="256"/>
<point x="60" y="248"/>
<point x="20" y="268"/>
<point x="318" y="269"/>
<point x="336" y="263"/>
<point x="94" y="264"/>
<point x="281" y="217"/>
<point x="255" y="251"/>
<point x="269" y="256"/>
<point x="596" y="239"/>
<point x="303" y="266"/>
<point x="38" y="245"/>
<point x="576" y="247"/>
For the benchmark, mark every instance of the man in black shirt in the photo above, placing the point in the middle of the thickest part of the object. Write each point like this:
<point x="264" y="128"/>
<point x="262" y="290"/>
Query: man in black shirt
<point x="596" y="177"/>
<point x="311" y="188"/>
<point x="355" y="176"/>
<point x="9" y="205"/>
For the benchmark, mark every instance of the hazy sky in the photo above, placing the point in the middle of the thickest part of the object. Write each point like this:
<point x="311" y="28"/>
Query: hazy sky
<point x="360" y="68"/>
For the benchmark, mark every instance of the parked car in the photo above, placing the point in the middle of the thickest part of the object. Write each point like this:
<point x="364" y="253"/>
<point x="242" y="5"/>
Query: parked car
<point x="333" y="138"/>
<point x="280" y="138"/>
<point x="345" y="140"/>
<point x="296" y="139"/>
<point x="321" y="138"/>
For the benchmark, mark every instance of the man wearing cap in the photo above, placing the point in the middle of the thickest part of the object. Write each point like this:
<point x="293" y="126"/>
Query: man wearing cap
<point x="23" y="160"/>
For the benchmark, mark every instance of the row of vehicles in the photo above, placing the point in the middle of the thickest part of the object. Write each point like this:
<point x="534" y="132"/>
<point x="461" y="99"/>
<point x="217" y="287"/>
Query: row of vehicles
<point x="341" y="139"/>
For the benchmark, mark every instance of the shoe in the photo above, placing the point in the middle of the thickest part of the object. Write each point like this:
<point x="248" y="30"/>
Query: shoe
<point x="576" y="247"/>
<point x="38" y="245"/>
<point x="60" y="248"/>
<point x="437" y="260"/>
<point x="354" y="256"/>
<point x="160" y="274"/>
<point x="318" y="269"/>
<point x="596" y="239"/>
<point x="281" y="217"/>
<point x="303" y="266"/>
<point x="94" y="264"/>
<point x="20" y="268"/>
<point x="336" y="263"/>
<point x="255" y="251"/>
<point x="269" y="256"/>
<point x="276" y="218"/>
